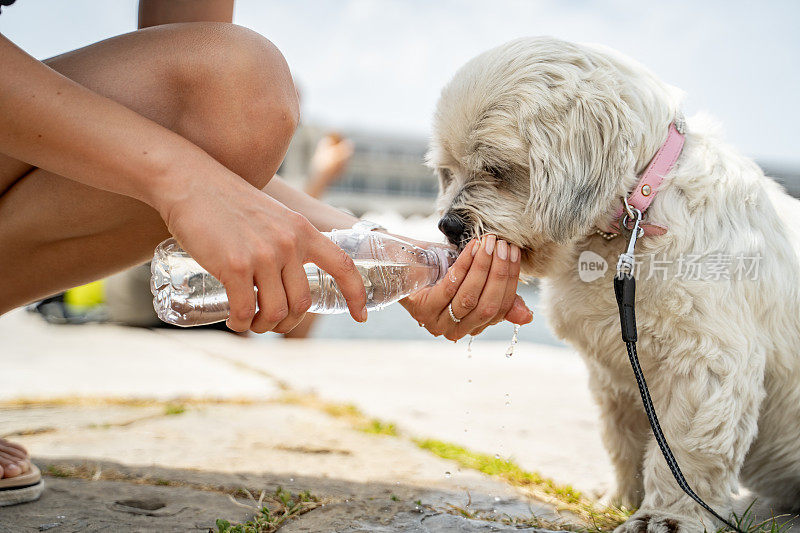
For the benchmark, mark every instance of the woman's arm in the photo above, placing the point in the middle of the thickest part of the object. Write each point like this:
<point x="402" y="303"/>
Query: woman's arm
<point x="155" y="12"/>
<point x="323" y="216"/>
<point x="53" y="123"/>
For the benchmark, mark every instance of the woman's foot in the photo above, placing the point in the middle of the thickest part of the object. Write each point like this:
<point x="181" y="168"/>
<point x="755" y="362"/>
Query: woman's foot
<point x="13" y="459"/>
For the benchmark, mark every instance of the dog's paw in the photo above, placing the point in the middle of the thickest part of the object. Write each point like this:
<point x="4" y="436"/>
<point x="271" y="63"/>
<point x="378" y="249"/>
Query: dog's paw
<point x="650" y="521"/>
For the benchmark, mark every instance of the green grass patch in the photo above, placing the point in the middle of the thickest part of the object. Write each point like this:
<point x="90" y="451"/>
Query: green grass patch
<point x="564" y="497"/>
<point x="283" y="506"/>
<point x="378" y="427"/>
<point x="57" y="471"/>
<point x="747" y="522"/>
<point x="174" y="409"/>
<point x="499" y="467"/>
<point x="341" y="410"/>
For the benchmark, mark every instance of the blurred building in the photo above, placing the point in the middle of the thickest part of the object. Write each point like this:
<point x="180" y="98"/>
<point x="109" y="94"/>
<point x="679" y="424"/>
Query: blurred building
<point x="785" y="174"/>
<point x="386" y="173"/>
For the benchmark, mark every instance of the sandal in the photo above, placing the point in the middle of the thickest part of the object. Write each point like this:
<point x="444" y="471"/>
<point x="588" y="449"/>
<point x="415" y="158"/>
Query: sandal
<point x="25" y="487"/>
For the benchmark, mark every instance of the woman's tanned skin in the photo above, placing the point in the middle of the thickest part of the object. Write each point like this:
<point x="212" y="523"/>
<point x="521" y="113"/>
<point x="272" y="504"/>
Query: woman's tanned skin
<point x="176" y="129"/>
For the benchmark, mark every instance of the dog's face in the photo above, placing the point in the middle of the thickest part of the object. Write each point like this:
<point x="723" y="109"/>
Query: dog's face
<point x="533" y="142"/>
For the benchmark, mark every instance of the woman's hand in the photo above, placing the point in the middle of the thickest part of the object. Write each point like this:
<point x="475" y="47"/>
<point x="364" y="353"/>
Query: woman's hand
<point x="481" y="286"/>
<point x="245" y="238"/>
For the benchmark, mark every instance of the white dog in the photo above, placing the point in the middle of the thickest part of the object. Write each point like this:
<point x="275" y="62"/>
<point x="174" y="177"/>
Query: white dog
<point x="538" y="141"/>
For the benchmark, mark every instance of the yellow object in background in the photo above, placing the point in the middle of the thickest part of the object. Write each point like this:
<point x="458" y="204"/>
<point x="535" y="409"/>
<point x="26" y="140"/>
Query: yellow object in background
<point x="86" y="296"/>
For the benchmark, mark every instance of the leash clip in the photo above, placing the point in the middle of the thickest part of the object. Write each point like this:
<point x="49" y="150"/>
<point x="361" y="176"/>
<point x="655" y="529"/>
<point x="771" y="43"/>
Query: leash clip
<point x="627" y="260"/>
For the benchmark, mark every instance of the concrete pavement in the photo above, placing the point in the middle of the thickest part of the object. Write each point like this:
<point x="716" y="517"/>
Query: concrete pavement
<point x="128" y="415"/>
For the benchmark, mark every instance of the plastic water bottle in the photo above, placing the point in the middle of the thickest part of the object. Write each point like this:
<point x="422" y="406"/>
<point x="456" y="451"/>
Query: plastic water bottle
<point x="185" y="294"/>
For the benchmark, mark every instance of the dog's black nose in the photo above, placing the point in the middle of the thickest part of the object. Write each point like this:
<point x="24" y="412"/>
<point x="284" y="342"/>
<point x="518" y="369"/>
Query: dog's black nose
<point x="453" y="228"/>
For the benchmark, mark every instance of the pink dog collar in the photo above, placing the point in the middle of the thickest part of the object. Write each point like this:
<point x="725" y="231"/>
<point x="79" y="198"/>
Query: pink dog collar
<point x="647" y="187"/>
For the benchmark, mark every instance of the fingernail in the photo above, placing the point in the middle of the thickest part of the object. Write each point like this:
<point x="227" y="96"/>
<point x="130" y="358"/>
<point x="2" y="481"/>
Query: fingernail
<point x="475" y="245"/>
<point x="364" y="314"/>
<point x="514" y="253"/>
<point x="489" y="244"/>
<point x="502" y="250"/>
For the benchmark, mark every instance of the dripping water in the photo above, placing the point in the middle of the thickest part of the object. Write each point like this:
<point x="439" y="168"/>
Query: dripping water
<point x="514" y="341"/>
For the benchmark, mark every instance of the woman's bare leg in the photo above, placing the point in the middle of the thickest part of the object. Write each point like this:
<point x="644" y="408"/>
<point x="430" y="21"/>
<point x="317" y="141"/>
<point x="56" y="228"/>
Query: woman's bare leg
<point x="214" y="84"/>
<point x="218" y="85"/>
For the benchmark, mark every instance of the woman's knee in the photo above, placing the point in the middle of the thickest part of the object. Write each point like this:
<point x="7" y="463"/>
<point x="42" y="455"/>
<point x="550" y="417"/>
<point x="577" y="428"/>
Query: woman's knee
<point x="241" y="99"/>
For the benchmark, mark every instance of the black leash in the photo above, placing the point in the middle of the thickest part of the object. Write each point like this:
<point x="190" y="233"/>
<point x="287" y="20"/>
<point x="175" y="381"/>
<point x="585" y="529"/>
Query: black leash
<point x="625" y="291"/>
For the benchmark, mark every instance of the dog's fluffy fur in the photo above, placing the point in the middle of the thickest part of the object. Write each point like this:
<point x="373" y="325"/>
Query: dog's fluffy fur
<point x="537" y="141"/>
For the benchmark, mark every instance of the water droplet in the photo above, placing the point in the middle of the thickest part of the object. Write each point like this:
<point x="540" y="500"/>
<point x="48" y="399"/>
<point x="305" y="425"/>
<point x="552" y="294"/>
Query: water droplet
<point x="447" y="475"/>
<point x="469" y="381"/>
<point x="497" y="456"/>
<point x="514" y="340"/>
<point x="497" y="498"/>
<point x="508" y="399"/>
<point x="291" y="479"/>
<point x="469" y="347"/>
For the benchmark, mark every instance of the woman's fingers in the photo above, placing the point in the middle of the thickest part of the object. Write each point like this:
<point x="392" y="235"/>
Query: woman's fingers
<point x="427" y="305"/>
<point x="298" y="296"/>
<point x="519" y="312"/>
<point x="469" y="292"/>
<point x="335" y="261"/>
<point x="481" y="288"/>
<point x="510" y="295"/>
<point x="241" y="297"/>
<point x="272" y="305"/>
<point x="493" y="293"/>
<point x="511" y="284"/>
<point x="441" y="294"/>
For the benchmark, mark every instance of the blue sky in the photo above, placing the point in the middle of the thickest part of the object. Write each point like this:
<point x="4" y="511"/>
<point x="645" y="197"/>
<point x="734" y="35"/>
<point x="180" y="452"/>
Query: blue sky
<point x="380" y="64"/>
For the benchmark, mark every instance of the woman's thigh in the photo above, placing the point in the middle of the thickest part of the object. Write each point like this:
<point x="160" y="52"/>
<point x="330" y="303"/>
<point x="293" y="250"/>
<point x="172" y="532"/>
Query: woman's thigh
<point x="56" y="233"/>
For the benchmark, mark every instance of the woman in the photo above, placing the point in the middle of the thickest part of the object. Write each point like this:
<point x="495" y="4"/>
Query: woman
<point x="179" y="129"/>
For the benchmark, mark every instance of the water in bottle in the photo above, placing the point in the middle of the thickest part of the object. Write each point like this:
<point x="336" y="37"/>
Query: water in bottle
<point x="185" y="294"/>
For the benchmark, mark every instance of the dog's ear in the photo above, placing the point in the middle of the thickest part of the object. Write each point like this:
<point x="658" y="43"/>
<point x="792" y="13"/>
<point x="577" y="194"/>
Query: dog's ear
<point x="579" y="157"/>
